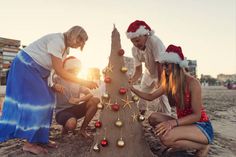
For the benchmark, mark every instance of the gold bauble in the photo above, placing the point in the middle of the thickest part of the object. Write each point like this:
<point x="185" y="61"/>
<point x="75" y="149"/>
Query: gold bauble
<point x="100" y="106"/>
<point x="124" y="69"/>
<point x="96" y="148"/>
<point x="119" y="123"/>
<point x="135" y="98"/>
<point x="105" y="96"/>
<point x="120" y="142"/>
<point x="141" y="118"/>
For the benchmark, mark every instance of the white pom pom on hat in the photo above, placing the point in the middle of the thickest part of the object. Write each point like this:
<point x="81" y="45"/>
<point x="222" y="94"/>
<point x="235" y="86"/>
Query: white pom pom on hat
<point x="175" y="55"/>
<point x="71" y="63"/>
<point x="138" y="28"/>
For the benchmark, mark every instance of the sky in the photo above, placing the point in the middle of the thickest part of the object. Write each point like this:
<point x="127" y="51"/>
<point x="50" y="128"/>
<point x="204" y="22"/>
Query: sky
<point x="205" y="29"/>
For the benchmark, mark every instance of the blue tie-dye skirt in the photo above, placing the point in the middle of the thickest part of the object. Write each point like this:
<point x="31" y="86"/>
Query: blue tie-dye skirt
<point x="29" y="102"/>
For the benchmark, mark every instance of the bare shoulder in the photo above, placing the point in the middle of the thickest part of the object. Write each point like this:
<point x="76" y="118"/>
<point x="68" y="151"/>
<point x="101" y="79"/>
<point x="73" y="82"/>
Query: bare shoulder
<point x="194" y="83"/>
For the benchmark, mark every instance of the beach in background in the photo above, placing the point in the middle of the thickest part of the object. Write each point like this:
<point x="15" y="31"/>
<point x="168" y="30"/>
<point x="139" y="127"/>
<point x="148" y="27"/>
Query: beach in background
<point x="219" y="102"/>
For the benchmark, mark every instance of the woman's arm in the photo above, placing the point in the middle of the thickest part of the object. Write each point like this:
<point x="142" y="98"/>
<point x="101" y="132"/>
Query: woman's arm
<point x="58" y="67"/>
<point x="148" y="96"/>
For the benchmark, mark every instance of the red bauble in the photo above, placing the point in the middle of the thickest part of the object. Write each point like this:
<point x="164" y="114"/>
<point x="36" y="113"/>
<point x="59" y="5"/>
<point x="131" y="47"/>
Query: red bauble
<point x="115" y="107"/>
<point x="122" y="90"/>
<point x="98" y="124"/>
<point x="104" y="143"/>
<point x="121" y="52"/>
<point x="107" y="79"/>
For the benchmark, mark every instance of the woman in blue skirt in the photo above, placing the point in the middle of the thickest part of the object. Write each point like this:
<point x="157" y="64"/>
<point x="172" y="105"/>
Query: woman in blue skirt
<point x="29" y="102"/>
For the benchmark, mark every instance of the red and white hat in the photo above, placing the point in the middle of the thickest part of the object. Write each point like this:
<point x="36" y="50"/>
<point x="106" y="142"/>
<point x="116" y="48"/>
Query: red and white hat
<point x="71" y="63"/>
<point x="174" y="54"/>
<point x="138" y="28"/>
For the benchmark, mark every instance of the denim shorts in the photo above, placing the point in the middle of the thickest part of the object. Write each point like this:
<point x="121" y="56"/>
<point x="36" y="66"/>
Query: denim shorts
<point x="207" y="130"/>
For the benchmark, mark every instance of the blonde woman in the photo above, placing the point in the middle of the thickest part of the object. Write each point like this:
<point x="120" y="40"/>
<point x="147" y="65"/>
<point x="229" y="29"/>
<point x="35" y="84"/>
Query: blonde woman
<point x="29" y="101"/>
<point x="192" y="128"/>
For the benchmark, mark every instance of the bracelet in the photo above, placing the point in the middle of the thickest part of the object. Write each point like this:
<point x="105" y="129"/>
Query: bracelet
<point x="177" y="122"/>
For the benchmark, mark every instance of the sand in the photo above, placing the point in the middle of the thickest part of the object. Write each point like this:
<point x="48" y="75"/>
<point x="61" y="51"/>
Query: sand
<point x="220" y="104"/>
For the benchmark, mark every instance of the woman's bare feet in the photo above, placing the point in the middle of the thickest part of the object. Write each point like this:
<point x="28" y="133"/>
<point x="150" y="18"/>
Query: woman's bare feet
<point x="203" y="152"/>
<point x="52" y="144"/>
<point x="34" y="148"/>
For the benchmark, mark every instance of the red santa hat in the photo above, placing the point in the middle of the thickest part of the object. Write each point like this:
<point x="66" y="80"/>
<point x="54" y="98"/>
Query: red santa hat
<point x="175" y="55"/>
<point x="71" y="63"/>
<point x="138" y="28"/>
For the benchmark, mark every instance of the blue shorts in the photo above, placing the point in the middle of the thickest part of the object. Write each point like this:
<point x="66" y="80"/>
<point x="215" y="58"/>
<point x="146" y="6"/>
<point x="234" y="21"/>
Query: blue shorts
<point x="207" y="130"/>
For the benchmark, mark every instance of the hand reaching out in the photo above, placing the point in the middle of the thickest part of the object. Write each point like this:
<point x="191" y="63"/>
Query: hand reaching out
<point x="59" y="88"/>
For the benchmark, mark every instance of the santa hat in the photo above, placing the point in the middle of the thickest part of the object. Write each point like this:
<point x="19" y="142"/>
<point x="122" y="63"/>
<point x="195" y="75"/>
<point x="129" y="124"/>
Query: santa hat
<point x="138" y="28"/>
<point x="174" y="54"/>
<point x="71" y="63"/>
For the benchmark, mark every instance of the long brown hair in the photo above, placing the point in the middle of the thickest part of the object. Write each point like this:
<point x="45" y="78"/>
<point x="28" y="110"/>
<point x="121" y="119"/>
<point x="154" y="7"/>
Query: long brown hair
<point x="174" y="85"/>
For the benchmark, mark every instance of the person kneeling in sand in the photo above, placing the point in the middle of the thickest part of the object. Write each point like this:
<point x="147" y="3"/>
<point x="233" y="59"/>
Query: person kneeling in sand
<point x="192" y="130"/>
<point x="73" y="100"/>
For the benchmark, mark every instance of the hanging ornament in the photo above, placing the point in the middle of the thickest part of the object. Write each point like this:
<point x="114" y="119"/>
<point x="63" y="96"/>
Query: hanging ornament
<point x="118" y="123"/>
<point x="120" y="142"/>
<point x="104" y="142"/>
<point x="100" y="106"/>
<point x="96" y="147"/>
<point x="105" y="96"/>
<point x="115" y="107"/>
<point x="98" y="124"/>
<point x="107" y="79"/>
<point x="122" y="90"/>
<point x="141" y="118"/>
<point x="124" y="69"/>
<point x="135" y="98"/>
<point x="121" y="52"/>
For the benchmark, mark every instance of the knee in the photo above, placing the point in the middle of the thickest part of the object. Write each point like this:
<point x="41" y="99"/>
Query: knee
<point x="167" y="141"/>
<point x="71" y="124"/>
<point x="94" y="101"/>
<point x="152" y="119"/>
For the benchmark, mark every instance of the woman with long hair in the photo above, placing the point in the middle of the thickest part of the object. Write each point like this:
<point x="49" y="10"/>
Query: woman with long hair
<point x="191" y="129"/>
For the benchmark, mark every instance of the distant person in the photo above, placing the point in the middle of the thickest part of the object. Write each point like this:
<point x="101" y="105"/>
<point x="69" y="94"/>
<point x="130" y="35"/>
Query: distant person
<point x="146" y="49"/>
<point x="29" y="101"/>
<point x="73" y="100"/>
<point x="192" y="128"/>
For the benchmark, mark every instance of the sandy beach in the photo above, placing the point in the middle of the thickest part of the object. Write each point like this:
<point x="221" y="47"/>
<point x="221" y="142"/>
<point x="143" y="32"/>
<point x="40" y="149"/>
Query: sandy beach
<point x="220" y="104"/>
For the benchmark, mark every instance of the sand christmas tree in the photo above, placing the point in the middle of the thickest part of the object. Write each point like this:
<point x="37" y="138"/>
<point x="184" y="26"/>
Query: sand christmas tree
<point x="118" y="130"/>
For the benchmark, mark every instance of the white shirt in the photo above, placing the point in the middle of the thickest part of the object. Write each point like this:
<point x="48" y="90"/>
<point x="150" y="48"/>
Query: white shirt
<point x="42" y="49"/>
<point x="150" y="55"/>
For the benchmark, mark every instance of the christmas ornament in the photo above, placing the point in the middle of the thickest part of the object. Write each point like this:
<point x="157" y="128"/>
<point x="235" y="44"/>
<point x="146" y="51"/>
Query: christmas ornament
<point x="122" y="90"/>
<point x="124" y="69"/>
<point x="108" y="104"/>
<point x="141" y="118"/>
<point x="121" y="52"/>
<point x="109" y="68"/>
<point x="98" y="124"/>
<point x="96" y="147"/>
<point x="120" y="142"/>
<point x="105" y="96"/>
<point x="104" y="142"/>
<point x="100" y="106"/>
<point x="127" y="102"/>
<point x="134" y="117"/>
<point x="119" y="123"/>
<point x="107" y="79"/>
<point x="115" y="107"/>
<point x="135" y="98"/>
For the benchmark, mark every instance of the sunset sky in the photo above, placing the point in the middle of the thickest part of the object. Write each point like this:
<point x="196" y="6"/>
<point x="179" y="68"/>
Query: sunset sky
<point x="205" y="29"/>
